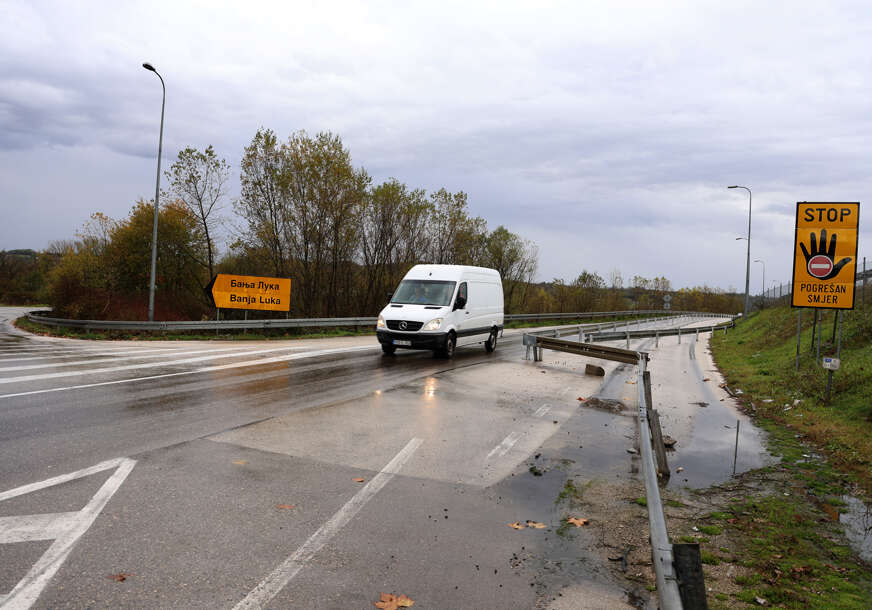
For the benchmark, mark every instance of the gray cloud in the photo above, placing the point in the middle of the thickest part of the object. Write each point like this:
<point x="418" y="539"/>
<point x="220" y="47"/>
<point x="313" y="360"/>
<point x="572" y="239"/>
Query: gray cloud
<point x="605" y="132"/>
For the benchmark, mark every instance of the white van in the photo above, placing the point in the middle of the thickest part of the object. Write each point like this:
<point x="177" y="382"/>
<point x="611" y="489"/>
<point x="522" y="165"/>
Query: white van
<point x="441" y="307"/>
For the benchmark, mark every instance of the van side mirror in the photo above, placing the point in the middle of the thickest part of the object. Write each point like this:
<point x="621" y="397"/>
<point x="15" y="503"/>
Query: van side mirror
<point x="390" y="296"/>
<point x="460" y="303"/>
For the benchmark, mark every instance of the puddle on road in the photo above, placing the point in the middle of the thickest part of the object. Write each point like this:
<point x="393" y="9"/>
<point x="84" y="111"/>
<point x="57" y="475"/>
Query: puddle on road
<point x="858" y="526"/>
<point x="692" y="413"/>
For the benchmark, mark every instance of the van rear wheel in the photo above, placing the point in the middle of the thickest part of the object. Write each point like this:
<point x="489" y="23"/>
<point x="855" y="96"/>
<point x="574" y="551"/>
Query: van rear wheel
<point x="491" y="343"/>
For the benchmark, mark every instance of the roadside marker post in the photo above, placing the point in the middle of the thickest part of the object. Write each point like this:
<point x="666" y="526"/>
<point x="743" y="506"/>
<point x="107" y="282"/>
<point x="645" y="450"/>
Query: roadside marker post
<point x="834" y="363"/>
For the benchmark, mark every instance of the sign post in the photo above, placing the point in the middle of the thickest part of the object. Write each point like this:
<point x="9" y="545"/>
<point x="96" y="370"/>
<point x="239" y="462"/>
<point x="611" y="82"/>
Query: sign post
<point x="825" y="265"/>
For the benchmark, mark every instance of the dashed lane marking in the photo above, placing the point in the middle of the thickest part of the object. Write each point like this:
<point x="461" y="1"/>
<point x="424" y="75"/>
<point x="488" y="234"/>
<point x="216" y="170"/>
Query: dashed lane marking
<point x="541" y="411"/>
<point x="503" y="448"/>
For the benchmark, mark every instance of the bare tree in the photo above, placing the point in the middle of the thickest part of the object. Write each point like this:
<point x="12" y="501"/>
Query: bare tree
<point x="199" y="179"/>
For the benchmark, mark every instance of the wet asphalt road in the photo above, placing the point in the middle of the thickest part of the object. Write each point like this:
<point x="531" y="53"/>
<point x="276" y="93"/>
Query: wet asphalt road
<point x="236" y="484"/>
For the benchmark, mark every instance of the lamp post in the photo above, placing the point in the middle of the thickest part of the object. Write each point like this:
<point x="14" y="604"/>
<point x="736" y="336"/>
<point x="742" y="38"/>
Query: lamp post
<point x="748" y="260"/>
<point x="150" y="67"/>
<point x="757" y="260"/>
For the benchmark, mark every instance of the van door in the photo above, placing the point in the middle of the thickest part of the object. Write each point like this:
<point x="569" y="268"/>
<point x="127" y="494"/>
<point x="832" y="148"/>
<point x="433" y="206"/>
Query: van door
<point x="461" y="314"/>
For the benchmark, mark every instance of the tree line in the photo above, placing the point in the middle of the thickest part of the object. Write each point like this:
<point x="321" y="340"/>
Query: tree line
<point x="306" y="212"/>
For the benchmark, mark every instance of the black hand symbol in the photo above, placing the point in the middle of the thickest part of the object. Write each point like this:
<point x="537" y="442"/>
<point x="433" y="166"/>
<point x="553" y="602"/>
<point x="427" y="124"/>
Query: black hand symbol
<point x="823" y="250"/>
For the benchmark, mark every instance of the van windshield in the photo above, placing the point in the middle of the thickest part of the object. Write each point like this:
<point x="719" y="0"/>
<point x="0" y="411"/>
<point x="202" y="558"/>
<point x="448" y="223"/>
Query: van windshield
<point x="424" y="292"/>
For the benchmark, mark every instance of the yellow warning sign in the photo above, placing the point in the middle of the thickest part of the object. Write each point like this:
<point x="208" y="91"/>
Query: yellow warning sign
<point x="251" y="292"/>
<point x="825" y="255"/>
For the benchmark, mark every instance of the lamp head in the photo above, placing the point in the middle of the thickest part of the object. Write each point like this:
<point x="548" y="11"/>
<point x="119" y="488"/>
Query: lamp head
<point x="148" y="66"/>
<point x="735" y="186"/>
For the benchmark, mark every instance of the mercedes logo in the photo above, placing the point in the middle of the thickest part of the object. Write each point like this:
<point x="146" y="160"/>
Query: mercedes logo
<point x="403" y="325"/>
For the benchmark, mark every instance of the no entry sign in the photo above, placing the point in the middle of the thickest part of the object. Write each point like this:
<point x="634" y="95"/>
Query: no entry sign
<point x="825" y="255"/>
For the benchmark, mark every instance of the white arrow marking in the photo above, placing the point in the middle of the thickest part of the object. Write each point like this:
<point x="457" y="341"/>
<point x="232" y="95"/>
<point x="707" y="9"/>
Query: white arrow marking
<point x="64" y="528"/>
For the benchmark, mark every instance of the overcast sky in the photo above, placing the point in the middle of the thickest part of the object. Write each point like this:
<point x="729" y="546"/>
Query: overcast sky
<point x="606" y="132"/>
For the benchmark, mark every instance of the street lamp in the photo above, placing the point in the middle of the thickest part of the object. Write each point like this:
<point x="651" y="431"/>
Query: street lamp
<point x="150" y="67"/>
<point x="757" y="260"/>
<point x="748" y="261"/>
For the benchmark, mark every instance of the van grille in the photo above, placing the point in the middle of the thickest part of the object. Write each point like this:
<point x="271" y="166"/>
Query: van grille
<point x="409" y="325"/>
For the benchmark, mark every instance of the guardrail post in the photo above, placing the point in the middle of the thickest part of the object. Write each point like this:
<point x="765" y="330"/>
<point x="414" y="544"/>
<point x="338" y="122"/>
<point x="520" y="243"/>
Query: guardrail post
<point x="679" y="336"/>
<point x="697" y="335"/>
<point x="628" y="339"/>
<point x="656" y="338"/>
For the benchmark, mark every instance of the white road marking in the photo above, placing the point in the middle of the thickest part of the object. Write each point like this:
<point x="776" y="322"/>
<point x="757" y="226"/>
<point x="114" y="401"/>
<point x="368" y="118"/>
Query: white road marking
<point x="269" y="587"/>
<point x="503" y="448"/>
<point x="25" y="528"/>
<point x="206" y="369"/>
<point x="63" y="478"/>
<point x="28" y="367"/>
<point x="130" y="367"/>
<point x="69" y="527"/>
<point x="541" y="411"/>
<point x="74" y="353"/>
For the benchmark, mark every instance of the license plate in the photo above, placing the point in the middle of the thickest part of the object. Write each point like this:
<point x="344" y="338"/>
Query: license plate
<point x="402" y="342"/>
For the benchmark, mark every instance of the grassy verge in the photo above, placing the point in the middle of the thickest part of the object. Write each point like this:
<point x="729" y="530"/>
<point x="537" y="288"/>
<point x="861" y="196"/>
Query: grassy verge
<point x="777" y="529"/>
<point x="200" y="335"/>
<point x="246" y="335"/>
<point x="759" y="358"/>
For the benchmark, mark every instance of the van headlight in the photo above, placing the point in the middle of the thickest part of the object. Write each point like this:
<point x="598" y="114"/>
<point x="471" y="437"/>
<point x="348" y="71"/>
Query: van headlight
<point x="381" y="322"/>
<point x="433" y="324"/>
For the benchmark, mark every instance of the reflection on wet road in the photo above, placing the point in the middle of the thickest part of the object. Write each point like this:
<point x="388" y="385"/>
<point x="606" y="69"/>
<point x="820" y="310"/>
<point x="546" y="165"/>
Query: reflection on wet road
<point x="265" y="463"/>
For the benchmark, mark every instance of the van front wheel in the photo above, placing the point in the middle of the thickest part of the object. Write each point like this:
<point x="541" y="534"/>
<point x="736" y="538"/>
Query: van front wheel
<point x="491" y="343"/>
<point x="388" y="349"/>
<point x="450" y="346"/>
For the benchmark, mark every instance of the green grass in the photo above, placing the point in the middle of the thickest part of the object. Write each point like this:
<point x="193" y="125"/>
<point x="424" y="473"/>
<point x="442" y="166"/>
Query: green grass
<point x="199" y="335"/>
<point x="796" y="563"/>
<point x="711" y="530"/>
<point x="759" y="358"/>
<point x="253" y="335"/>
<point x="790" y="539"/>
<point x="641" y="501"/>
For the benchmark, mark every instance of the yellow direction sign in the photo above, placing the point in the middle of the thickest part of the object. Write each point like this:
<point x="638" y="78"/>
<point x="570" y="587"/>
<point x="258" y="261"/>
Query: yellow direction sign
<point x="250" y="292"/>
<point x="825" y="255"/>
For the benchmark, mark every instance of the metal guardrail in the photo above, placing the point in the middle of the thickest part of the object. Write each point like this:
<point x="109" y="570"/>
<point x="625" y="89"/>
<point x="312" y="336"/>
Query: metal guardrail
<point x="662" y="553"/>
<point x="661" y="549"/>
<point x="89" y="325"/>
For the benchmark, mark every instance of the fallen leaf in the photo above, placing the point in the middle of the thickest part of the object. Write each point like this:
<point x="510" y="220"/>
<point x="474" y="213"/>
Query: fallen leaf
<point x="581" y="399"/>
<point x="358" y="479"/>
<point x="240" y="462"/>
<point x="679" y="469"/>
<point x="120" y="577"/>
<point x="285" y="506"/>
<point x="392" y="602"/>
<point x="706" y="379"/>
<point x="517" y="525"/>
<point x="535" y="524"/>
<point x="577" y="521"/>
<point x="630" y="382"/>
